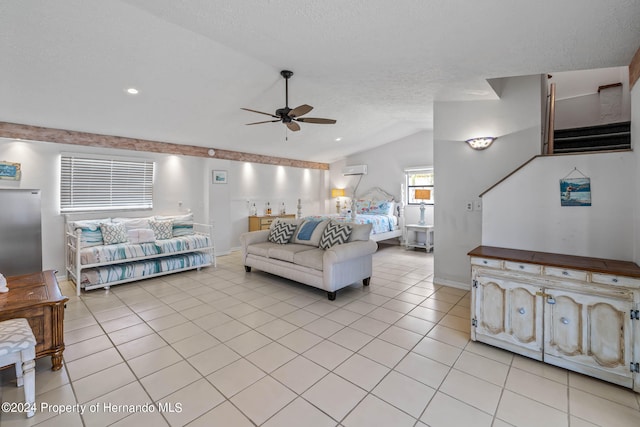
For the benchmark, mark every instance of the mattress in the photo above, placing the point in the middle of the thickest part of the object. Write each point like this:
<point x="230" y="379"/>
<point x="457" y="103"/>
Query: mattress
<point x="141" y="269"/>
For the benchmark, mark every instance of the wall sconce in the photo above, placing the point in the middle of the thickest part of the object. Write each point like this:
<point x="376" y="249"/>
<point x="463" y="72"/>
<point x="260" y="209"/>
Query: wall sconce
<point x="422" y="195"/>
<point x="337" y="193"/>
<point x="481" y="143"/>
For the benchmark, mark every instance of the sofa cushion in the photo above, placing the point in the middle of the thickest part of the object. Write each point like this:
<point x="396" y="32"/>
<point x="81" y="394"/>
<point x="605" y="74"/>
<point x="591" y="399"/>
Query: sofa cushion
<point x="311" y="258"/>
<point x="282" y="232"/>
<point x="334" y="234"/>
<point x="286" y="252"/>
<point x="113" y="233"/>
<point x="260" y="249"/>
<point x="360" y="232"/>
<point x="313" y="239"/>
<point x="162" y="229"/>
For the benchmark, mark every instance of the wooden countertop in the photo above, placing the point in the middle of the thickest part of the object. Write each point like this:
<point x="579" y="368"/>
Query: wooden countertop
<point x="597" y="265"/>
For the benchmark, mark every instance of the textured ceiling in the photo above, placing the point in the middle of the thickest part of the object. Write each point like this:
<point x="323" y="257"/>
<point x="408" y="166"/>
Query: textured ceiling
<point x="375" y="66"/>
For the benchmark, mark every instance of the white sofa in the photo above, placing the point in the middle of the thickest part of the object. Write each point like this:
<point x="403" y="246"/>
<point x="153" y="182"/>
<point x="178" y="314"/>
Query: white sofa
<point x="97" y="256"/>
<point x="304" y="261"/>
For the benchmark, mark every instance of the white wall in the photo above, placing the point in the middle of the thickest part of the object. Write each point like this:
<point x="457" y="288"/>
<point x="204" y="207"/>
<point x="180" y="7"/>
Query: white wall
<point x="386" y="165"/>
<point x="463" y="173"/>
<point x="177" y="179"/>
<point x="635" y="145"/>
<point x="579" y="104"/>
<point x="524" y="212"/>
<point x="258" y="183"/>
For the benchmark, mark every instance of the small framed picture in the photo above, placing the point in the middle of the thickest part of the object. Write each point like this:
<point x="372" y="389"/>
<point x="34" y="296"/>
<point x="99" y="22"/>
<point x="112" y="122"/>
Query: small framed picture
<point x="219" y="177"/>
<point x="10" y="171"/>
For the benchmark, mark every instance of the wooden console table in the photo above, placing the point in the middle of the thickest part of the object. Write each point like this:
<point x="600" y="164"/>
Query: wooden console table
<point x="37" y="298"/>
<point x="264" y="222"/>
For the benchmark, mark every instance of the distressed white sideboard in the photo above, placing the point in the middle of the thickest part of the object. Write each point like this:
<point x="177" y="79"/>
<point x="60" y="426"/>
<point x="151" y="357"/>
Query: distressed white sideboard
<point x="579" y="313"/>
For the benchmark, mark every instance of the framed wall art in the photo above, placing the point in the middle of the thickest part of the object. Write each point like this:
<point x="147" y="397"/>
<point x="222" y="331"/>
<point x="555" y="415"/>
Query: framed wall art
<point x="575" y="191"/>
<point x="10" y="171"/>
<point x="219" y="177"/>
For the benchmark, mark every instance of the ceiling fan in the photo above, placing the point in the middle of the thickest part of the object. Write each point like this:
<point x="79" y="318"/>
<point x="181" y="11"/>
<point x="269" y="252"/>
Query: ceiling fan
<point x="290" y="116"/>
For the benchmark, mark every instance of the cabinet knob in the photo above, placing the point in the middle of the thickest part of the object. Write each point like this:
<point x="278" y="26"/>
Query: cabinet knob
<point x="614" y="280"/>
<point x="551" y="300"/>
<point x="521" y="267"/>
<point x="564" y="320"/>
<point x="484" y="261"/>
<point x="521" y="310"/>
<point x="565" y="273"/>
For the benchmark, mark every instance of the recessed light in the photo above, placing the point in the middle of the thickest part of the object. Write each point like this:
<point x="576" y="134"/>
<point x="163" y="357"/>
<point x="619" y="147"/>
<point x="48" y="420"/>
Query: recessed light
<point x="132" y="91"/>
<point x="338" y="139"/>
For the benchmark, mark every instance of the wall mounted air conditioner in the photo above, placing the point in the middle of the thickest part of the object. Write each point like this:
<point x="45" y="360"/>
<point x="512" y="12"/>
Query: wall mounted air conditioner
<point x="354" y="170"/>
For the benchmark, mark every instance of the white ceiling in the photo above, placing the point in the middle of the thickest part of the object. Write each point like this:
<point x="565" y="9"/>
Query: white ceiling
<point x="376" y="66"/>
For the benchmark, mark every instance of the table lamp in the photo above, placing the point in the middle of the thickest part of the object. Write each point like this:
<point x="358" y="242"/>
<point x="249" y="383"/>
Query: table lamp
<point x="337" y="193"/>
<point x="422" y="195"/>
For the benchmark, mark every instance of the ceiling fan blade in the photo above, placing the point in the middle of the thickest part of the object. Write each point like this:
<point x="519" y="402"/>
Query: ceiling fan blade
<point x="300" y="110"/>
<point x="260" y="112"/>
<point x="316" y="120"/>
<point x="267" y="121"/>
<point x="294" y="127"/>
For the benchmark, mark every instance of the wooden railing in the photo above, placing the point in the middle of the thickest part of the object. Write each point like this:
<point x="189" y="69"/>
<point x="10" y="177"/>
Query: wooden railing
<point x="552" y="118"/>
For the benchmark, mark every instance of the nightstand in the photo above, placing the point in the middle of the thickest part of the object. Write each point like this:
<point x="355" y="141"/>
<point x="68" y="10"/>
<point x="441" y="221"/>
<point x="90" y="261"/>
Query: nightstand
<point x="419" y="236"/>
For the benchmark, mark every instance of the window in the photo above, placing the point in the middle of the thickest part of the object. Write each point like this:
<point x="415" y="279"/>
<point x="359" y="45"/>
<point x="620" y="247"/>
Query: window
<point x="419" y="179"/>
<point x="94" y="184"/>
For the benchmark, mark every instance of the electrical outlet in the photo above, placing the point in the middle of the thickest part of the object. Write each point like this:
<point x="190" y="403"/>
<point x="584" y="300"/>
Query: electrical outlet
<point x="478" y="205"/>
<point x="468" y="205"/>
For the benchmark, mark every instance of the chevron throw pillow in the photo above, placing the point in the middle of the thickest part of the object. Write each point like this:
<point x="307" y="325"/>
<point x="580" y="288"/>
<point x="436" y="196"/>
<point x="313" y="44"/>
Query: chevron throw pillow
<point x="334" y="234"/>
<point x="281" y="232"/>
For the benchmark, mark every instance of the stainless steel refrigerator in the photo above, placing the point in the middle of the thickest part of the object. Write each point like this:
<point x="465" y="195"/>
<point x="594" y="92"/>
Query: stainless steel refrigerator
<point x="20" y="232"/>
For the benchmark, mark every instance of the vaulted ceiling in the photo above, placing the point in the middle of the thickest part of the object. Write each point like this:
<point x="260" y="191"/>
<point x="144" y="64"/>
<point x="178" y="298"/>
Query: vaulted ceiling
<point x="376" y="66"/>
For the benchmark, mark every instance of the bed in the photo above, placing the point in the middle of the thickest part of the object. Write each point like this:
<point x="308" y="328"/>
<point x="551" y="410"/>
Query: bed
<point x="376" y="207"/>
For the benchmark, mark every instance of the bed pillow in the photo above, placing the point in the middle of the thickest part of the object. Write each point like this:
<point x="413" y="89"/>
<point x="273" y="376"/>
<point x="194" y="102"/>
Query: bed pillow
<point x="282" y="232"/>
<point x="113" y="233"/>
<point x="91" y="234"/>
<point x="162" y="229"/>
<point x="334" y="234"/>
<point x="309" y="232"/>
<point x="141" y="235"/>
<point x="380" y="207"/>
<point x="360" y="232"/>
<point x="134" y="223"/>
<point x="362" y="206"/>
<point x="182" y="224"/>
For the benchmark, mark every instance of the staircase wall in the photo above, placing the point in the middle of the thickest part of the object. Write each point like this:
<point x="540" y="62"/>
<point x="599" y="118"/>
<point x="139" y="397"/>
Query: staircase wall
<point x="524" y="212"/>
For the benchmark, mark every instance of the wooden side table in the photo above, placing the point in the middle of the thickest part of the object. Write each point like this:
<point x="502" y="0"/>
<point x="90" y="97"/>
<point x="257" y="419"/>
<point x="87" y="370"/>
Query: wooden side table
<point x="37" y="298"/>
<point x="264" y="222"/>
<point x="415" y="232"/>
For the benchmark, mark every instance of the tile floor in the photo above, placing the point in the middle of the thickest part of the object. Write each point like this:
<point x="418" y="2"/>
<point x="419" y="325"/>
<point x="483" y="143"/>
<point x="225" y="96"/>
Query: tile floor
<point x="221" y="347"/>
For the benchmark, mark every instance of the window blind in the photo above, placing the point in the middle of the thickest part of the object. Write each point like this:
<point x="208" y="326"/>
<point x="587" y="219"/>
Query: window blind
<point x="91" y="184"/>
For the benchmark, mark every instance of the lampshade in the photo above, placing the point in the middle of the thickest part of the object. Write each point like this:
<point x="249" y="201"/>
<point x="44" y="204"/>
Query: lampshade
<point x="480" y="143"/>
<point x="422" y="194"/>
<point x="337" y="192"/>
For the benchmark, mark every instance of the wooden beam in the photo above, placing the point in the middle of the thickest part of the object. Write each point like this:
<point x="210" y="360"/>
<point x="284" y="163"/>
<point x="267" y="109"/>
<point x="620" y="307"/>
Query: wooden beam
<point x="62" y="136"/>
<point x="634" y="69"/>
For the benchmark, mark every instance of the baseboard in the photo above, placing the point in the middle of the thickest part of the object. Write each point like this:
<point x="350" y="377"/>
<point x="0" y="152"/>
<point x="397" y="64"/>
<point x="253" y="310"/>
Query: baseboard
<point x="451" y="283"/>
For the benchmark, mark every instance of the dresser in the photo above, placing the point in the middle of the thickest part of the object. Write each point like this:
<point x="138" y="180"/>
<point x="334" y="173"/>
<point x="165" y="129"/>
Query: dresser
<point x="579" y="313"/>
<point x="264" y="222"/>
<point x="37" y="298"/>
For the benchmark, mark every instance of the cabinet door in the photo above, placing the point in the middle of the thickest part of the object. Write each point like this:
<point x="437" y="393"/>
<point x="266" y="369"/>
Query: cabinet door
<point x="508" y="314"/>
<point x="589" y="334"/>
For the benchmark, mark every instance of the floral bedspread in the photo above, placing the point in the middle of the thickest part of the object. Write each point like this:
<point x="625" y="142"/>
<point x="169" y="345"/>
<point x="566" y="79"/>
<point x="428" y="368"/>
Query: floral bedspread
<point x="380" y="223"/>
